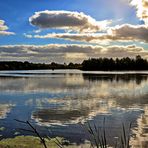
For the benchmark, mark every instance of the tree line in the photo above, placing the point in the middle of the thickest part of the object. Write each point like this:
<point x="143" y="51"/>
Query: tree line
<point x="99" y="64"/>
<point x="17" y="65"/>
<point x="110" y="64"/>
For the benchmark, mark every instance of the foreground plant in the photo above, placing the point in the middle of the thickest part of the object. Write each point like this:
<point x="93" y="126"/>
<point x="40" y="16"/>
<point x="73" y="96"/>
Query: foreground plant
<point x="97" y="138"/>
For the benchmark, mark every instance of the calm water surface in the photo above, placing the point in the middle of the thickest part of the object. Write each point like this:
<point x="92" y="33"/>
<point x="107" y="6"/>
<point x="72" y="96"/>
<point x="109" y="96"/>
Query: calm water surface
<point x="57" y="101"/>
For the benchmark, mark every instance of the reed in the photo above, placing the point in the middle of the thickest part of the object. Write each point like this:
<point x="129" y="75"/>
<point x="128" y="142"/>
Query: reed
<point x="98" y="137"/>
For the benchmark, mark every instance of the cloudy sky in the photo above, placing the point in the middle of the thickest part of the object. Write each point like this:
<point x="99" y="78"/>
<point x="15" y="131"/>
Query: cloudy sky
<point x="71" y="31"/>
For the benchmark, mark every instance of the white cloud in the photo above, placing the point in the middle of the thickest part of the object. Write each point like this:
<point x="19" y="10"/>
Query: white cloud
<point x="141" y="8"/>
<point x="125" y="32"/>
<point x="67" y="20"/>
<point x="92" y="38"/>
<point x="86" y="27"/>
<point x="28" y="35"/>
<point x="4" y="28"/>
<point x="67" y="52"/>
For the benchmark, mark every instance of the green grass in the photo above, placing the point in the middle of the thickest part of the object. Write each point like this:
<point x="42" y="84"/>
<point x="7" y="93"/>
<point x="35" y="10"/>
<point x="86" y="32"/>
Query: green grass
<point x="27" y="142"/>
<point x="34" y="142"/>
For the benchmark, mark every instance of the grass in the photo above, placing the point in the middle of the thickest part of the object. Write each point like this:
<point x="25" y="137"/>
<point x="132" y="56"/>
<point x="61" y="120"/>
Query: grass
<point x="27" y="142"/>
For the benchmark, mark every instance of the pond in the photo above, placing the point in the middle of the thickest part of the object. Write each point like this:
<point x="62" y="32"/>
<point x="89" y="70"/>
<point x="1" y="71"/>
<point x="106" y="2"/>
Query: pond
<point x="56" y="102"/>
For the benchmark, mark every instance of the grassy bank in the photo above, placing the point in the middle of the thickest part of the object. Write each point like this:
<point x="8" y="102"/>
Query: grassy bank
<point x="26" y="142"/>
<point x="34" y="142"/>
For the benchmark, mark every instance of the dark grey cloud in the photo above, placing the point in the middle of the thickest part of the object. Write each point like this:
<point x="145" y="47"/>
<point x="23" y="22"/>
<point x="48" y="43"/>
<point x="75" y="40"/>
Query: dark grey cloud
<point x="67" y="20"/>
<point x="67" y="52"/>
<point x="130" y="32"/>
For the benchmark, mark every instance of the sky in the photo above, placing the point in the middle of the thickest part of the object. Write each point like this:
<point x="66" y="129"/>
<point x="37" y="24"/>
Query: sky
<point x="71" y="31"/>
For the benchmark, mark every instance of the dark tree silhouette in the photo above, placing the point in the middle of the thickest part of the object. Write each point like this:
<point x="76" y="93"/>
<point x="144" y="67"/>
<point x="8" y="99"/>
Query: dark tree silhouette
<point x="100" y="64"/>
<point x="109" y="64"/>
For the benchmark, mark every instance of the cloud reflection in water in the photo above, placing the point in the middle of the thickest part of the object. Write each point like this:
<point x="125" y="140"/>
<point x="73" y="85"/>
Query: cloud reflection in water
<point x="71" y="98"/>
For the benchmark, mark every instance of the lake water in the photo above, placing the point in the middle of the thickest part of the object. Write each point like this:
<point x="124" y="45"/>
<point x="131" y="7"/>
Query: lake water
<point x="56" y="102"/>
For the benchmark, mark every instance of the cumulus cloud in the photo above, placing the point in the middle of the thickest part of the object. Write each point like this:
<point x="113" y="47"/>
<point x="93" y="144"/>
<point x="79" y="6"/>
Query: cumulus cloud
<point x="125" y="32"/>
<point x="92" y="38"/>
<point x="67" y="52"/>
<point x="142" y="9"/>
<point x="130" y="32"/>
<point x="88" y="29"/>
<point x="4" y="28"/>
<point x="67" y="20"/>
